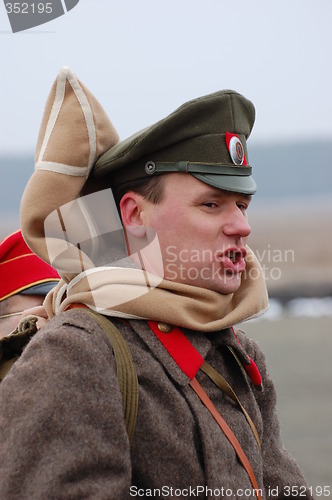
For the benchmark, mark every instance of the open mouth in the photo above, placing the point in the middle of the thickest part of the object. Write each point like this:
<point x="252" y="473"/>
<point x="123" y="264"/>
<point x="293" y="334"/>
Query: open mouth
<point x="233" y="260"/>
<point x="233" y="256"/>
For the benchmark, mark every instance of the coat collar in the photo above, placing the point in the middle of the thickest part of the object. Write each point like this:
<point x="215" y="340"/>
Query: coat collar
<point x="202" y="342"/>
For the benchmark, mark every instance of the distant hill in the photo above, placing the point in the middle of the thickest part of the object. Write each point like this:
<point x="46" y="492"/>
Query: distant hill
<point x="280" y="170"/>
<point x="296" y="169"/>
<point x="15" y="172"/>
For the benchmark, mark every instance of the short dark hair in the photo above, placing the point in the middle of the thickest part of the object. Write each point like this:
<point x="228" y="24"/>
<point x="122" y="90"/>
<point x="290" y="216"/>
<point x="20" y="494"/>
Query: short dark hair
<point x="151" y="189"/>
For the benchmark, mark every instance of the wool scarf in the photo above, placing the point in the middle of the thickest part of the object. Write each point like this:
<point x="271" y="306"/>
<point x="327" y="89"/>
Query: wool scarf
<point x="133" y="293"/>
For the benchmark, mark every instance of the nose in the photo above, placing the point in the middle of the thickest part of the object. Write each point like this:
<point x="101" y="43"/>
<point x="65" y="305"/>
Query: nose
<point x="237" y="224"/>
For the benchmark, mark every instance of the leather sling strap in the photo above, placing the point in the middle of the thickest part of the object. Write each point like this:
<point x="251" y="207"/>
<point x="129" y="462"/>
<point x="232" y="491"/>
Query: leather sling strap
<point x="13" y="344"/>
<point x="227" y="431"/>
<point x="190" y="361"/>
<point x="125" y="368"/>
<point x="5" y="366"/>
<point x="220" y="382"/>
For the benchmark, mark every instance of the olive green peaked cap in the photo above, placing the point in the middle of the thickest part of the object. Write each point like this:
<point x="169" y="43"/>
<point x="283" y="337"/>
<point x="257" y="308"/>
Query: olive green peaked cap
<point x="205" y="137"/>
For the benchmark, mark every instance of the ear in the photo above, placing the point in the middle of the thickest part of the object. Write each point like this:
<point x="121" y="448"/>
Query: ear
<point x="131" y="209"/>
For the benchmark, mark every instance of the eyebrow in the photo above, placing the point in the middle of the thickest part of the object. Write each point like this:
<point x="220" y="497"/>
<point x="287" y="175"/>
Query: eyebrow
<point x="213" y="191"/>
<point x="248" y="197"/>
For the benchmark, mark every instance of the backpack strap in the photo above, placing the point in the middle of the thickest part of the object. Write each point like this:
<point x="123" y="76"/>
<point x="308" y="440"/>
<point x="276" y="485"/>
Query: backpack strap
<point x="125" y="368"/>
<point x="12" y="345"/>
<point x="5" y="366"/>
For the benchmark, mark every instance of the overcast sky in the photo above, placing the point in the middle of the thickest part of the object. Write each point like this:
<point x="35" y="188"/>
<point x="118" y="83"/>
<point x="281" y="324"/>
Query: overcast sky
<point x="144" y="58"/>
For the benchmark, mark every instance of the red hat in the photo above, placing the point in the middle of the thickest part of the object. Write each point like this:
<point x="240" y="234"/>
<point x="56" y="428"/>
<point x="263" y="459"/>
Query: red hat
<point x="21" y="271"/>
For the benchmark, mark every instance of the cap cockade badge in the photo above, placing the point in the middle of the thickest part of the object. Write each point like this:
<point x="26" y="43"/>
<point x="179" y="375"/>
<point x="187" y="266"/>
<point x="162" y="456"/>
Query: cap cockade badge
<point x="235" y="149"/>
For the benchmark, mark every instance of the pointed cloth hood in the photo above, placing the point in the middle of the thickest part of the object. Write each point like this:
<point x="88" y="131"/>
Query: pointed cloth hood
<point x="75" y="131"/>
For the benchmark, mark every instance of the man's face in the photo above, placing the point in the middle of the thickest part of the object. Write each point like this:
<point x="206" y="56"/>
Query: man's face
<point x="16" y="304"/>
<point x="202" y="232"/>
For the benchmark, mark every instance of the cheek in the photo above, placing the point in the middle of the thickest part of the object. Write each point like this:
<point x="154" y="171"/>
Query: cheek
<point x="166" y="221"/>
<point x="186" y="230"/>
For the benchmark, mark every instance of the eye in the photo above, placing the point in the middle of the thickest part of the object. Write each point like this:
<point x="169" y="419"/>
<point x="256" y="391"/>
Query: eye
<point x="242" y="206"/>
<point x="210" y="204"/>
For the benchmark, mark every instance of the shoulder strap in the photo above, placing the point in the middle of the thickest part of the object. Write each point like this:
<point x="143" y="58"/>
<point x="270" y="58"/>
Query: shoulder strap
<point x="5" y="366"/>
<point x="190" y="361"/>
<point x="12" y="345"/>
<point x="125" y="368"/>
<point x="220" y="382"/>
<point x="228" y="433"/>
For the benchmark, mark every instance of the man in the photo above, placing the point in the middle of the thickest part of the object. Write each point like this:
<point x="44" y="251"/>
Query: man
<point x="24" y="281"/>
<point x="206" y="425"/>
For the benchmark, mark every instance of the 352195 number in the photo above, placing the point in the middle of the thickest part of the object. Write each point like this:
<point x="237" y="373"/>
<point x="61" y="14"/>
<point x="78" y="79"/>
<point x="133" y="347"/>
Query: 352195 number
<point x="29" y="8"/>
<point x="301" y="491"/>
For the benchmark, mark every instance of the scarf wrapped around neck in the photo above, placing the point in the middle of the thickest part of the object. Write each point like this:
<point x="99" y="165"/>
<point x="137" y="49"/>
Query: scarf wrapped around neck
<point x="128" y="292"/>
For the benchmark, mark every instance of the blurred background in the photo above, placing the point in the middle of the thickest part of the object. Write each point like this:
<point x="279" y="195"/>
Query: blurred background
<point x="144" y="59"/>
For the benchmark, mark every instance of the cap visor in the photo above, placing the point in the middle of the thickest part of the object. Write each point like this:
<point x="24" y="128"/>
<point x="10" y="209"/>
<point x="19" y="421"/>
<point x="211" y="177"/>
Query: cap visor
<point x="41" y="289"/>
<point x="237" y="183"/>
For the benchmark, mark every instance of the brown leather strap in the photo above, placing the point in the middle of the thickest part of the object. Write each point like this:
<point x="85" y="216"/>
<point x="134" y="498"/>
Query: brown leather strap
<point x="220" y="382"/>
<point x="125" y="367"/>
<point x="227" y="431"/>
<point x="5" y="366"/>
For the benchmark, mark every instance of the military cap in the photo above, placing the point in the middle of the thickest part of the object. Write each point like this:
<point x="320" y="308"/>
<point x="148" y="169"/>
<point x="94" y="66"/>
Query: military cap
<point x="205" y="137"/>
<point x="21" y="271"/>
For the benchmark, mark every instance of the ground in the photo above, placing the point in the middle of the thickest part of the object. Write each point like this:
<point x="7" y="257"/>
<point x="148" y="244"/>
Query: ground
<point x="298" y="352"/>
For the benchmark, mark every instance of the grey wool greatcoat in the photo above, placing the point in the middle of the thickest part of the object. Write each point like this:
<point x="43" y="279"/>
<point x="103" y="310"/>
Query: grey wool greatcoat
<point x="63" y="434"/>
